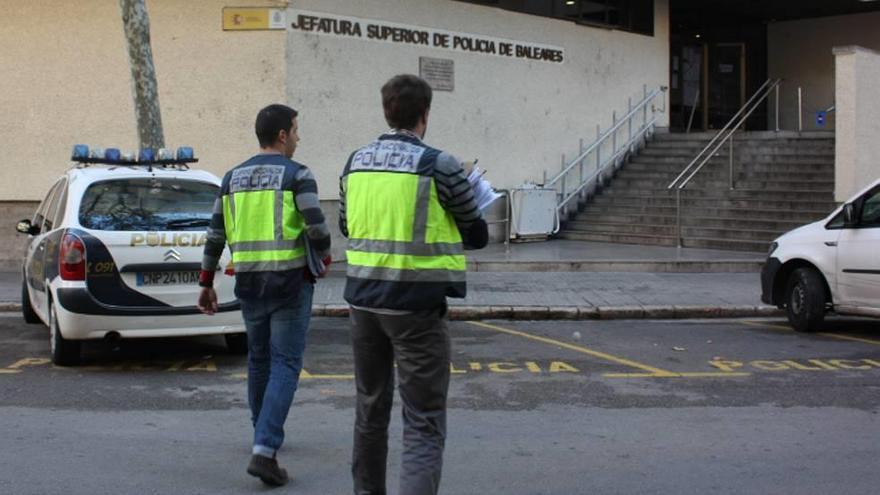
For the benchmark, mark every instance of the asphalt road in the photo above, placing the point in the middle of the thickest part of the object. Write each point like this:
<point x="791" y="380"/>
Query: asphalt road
<point x="629" y="407"/>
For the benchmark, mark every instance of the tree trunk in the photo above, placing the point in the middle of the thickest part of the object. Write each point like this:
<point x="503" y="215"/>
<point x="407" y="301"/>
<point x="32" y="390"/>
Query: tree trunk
<point x="145" y="91"/>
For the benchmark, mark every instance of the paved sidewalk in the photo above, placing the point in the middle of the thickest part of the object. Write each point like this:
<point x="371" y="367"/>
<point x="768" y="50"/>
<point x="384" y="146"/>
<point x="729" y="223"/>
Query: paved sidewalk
<point x="574" y="280"/>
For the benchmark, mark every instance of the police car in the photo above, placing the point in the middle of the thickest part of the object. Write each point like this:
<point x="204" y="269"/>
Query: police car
<point x="829" y="265"/>
<point x="115" y="251"/>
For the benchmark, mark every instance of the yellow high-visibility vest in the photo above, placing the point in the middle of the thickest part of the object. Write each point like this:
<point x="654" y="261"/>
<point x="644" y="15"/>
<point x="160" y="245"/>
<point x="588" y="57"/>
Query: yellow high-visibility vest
<point x="263" y="227"/>
<point x="404" y="249"/>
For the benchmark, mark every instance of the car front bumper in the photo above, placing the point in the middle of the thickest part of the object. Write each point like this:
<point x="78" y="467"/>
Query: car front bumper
<point x="768" y="279"/>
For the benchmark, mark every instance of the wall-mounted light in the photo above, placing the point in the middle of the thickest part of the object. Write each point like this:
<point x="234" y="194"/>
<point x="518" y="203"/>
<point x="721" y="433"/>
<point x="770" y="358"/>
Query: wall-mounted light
<point x="698" y="36"/>
<point x="571" y="2"/>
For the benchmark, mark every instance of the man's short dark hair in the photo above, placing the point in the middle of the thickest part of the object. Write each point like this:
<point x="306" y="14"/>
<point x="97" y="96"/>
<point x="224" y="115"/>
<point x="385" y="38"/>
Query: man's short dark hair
<point x="271" y="120"/>
<point x="405" y="98"/>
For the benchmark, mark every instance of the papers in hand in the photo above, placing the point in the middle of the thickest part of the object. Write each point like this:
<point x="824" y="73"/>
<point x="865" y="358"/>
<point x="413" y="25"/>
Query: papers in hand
<point x="483" y="192"/>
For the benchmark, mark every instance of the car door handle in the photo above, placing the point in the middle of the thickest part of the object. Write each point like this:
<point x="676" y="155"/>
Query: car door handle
<point x="831" y="243"/>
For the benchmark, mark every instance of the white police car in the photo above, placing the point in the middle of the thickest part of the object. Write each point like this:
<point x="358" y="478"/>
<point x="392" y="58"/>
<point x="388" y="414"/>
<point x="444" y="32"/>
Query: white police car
<point x="829" y="265"/>
<point x="115" y="251"/>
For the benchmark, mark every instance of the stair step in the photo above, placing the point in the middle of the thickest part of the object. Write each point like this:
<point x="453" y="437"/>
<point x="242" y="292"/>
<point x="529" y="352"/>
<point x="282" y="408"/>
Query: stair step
<point x="739" y="159"/>
<point x="722" y="193"/>
<point x="711" y="182"/>
<point x="717" y="202"/>
<point x="676" y="168"/>
<point x="587" y="219"/>
<point x="686" y="153"/>
<point x="701" y="243"/>
<point x="768" y="214"/>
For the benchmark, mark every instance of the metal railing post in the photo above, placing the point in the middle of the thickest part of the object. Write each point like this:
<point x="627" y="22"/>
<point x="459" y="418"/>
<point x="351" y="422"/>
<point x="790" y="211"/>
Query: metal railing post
<point x="614" y="134"/>
<point x="581" y="164"/>
<point x="645" y="106"/>
<point x="678" y="215"/>
<point x="507" y="221"/>
<point x="544" y="182"/>
<point x="800" y="109"/>
<point x="777" y="107"/>
<point x="629" y="122"/>
<point x="563" y="179"/>
<point x="598" y="148"/>
<point x="731" y="162"/>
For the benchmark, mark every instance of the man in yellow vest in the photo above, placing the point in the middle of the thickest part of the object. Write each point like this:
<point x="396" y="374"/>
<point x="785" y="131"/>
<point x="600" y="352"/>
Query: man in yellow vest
<point x="408" y="211"/>
<point x="267" y="211"/>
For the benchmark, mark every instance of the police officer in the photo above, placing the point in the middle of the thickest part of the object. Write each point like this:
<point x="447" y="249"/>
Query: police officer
<point x="268" y="211"/>
<point x="408" y="211"/>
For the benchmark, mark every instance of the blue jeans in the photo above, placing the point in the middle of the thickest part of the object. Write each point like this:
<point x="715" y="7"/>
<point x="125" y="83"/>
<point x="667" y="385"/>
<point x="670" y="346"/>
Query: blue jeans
<point x="276" y="330"/>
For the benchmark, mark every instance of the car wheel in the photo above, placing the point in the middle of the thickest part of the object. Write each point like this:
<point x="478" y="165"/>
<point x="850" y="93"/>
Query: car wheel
<point x="237" y="343"/>
<point x="30" y="316"/>
<point x="64" y="352"/>
<point x="805" y="300"/>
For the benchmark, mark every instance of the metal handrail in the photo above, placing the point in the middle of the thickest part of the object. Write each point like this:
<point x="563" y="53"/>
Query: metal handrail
<point x="604" y="136"/>
<point x="573" y="194"/>
<point x="735" y="116"/>
<point x="762" y="94"/>
<point x="639" y="128"/>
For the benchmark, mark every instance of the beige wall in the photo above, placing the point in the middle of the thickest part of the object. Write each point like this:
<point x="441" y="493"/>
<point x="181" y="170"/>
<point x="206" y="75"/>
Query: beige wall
<point x="800" y="53"/>
<point x="516" y="116"/>
<point x="66" y="80"/>
<point x="858" y="125"/>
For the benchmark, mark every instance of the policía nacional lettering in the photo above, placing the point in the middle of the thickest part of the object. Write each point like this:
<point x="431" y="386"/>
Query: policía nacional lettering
<point x="388" y="155"/>
<point x="350" y="27"/>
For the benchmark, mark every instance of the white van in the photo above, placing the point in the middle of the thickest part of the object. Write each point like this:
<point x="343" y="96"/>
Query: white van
<point x="832" y="265"/>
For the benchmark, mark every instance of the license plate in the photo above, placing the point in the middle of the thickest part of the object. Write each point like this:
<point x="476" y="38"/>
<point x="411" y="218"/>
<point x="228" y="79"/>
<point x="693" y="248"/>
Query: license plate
<point x="167" y="278"/>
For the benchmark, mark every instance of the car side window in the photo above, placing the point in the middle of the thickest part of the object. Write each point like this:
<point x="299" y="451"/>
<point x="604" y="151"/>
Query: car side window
<point x="836" y="223"/>
<point x="52" y="208"/>
<point x="871" y="210"/>
<point x="40" y="215"/>
<point x="62" y="204"/>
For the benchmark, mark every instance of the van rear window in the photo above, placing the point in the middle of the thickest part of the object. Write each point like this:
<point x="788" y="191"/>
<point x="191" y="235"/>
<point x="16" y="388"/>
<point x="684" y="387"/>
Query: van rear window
<point x="148" y="204"/>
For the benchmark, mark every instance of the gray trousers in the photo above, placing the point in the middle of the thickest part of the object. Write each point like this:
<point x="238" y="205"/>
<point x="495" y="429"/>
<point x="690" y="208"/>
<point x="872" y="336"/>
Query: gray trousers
<point x="419" y="344"/>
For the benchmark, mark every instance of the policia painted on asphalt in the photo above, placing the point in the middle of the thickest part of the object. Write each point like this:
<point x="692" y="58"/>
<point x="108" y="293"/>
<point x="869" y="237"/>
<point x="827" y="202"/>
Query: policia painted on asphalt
<point x="408" y="211"/>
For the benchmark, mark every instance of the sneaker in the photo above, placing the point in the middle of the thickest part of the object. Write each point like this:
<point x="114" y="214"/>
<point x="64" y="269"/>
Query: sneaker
<point x="267" y="469"/>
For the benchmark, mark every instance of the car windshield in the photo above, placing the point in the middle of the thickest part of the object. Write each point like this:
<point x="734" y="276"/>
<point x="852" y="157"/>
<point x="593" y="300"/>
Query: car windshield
<point x="148" y="204"/>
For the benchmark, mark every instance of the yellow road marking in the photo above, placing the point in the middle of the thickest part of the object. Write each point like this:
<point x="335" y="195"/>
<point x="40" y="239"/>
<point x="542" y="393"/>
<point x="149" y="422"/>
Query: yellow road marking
<point x="709" y="374"/>
<point x="305" y="375"/>
<point x="581" y="349"/>
<point x="830" y="335"/>
<point x="850" y="337"/>
<point x="9" y="372"/>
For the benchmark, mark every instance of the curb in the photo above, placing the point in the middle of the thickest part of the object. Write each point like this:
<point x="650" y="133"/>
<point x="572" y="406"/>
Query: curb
<point x="583" y="313"/>
<point x="559" y="312"/>
<point x="616" y="266"/>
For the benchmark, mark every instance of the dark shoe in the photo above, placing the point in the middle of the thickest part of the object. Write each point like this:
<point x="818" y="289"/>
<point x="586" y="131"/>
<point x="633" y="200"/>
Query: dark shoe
<point x="267" y="469"/>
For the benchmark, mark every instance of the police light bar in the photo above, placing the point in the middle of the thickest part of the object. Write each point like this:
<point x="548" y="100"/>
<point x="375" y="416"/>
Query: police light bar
<point x="146" y="157"/>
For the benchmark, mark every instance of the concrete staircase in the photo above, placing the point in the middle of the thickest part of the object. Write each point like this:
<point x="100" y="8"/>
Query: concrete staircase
<point x="782" y="181"/>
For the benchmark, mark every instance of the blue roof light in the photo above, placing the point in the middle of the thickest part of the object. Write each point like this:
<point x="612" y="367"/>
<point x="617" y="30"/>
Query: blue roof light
<point x="185" y="153"/>
<point x="112" y="154"/>
<point x="80" y="152"/>
<point x="165" y="154"/>
<point x="146" y="155"/>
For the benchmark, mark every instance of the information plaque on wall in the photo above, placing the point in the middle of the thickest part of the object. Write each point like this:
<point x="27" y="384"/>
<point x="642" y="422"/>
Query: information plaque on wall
<point x="439" y="72"/>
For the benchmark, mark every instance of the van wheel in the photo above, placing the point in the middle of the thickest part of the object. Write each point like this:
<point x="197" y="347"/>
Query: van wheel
<point x="805" y="300"/>
<point x="237" y="343"/>
<point x="64" y="352"/>
<point x="30" y="316"/>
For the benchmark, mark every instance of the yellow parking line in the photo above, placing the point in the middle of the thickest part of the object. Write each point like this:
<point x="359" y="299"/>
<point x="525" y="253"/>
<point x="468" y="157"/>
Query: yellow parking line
<point x="849" y="337"/>
<point x="709" y="374"/>
<point x="654" y="372"/>
<point x="765" y="325"/>
<point x="305" y="375"/>
<point x="9" y="372"/>
<point x="830" y="335"/>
